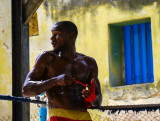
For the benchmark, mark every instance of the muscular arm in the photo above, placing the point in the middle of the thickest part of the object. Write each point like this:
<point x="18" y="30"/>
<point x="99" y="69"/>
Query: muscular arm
<point x="33" y="85"/>
<point x="33" y="88"/>
<point x="94" y="75"/>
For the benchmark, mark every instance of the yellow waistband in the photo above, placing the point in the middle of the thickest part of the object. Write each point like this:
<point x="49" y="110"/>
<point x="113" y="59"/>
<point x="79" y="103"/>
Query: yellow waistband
<point x="70" y="114"/>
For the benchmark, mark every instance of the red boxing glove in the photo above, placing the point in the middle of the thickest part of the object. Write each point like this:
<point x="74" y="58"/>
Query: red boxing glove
<point x="92" y="96"/>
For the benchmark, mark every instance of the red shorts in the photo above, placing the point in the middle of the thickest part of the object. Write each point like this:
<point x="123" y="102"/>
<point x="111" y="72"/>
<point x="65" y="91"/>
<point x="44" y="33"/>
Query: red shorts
<point x="55" y="118"/>
<point x="57" y="114"/>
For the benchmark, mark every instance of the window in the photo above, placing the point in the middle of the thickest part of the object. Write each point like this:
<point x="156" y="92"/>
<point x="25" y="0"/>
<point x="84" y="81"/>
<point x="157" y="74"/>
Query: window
<point x="138" y="53"/>
<point x="130" y="53"/>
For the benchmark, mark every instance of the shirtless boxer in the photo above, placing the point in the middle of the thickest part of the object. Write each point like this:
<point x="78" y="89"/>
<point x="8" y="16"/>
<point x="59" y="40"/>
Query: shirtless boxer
<point x="64" y="74"/>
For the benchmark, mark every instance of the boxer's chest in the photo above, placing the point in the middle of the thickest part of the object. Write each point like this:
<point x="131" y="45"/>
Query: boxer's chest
<point x="77" y="69"/>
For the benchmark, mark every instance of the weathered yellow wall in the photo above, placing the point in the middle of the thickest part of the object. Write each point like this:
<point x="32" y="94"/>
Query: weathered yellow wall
<point x="5" y="58"/>
<point x="92" y="19"/>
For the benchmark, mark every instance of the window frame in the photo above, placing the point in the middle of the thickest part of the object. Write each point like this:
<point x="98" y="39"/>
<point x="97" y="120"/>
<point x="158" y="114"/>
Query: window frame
<point x="116" y="51"/>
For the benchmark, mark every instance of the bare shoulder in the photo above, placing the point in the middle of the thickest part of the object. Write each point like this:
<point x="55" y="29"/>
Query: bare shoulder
<point x="89" y="60"/>
<point x="45" y="57"/>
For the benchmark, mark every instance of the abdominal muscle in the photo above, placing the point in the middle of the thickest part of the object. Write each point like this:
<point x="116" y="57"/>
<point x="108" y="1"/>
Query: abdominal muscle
<point x="66" y="98"/>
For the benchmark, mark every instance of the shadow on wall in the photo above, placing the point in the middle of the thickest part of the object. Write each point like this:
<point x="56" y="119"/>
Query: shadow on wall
<point x="62" y="6"/>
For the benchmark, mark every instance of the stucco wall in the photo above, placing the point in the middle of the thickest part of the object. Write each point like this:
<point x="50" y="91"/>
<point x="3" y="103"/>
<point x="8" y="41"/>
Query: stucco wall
<point x="5" y="57"/>
<point x="92" y="19"/>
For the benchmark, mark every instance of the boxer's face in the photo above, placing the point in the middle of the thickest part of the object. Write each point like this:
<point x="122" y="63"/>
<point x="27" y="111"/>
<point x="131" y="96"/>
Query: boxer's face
<point x="60" y="38"/>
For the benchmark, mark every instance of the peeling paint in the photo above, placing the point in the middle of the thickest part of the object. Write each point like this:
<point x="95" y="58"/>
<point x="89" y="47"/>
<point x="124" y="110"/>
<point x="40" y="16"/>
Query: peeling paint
<point x="3" y="31"/>
<point x="5" y="56"/>
<point x="123" y="5"/>
<point x="6" y="46"/>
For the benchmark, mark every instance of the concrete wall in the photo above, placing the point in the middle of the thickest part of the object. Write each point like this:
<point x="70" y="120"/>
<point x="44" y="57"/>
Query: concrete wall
<point x="5" y="57"/>
<point x="92" y="19"/>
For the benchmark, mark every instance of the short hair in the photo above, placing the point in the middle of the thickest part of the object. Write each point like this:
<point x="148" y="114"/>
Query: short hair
<point x="68" y="27"/>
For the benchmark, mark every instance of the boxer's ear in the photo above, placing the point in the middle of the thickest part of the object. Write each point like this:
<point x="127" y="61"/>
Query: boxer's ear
<point x="71" y="35"/>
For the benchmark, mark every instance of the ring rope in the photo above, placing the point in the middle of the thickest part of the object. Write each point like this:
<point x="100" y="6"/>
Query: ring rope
<point x="147" y="107"/>
<point x="20" y="99"/>
<point x="137" y="108"/>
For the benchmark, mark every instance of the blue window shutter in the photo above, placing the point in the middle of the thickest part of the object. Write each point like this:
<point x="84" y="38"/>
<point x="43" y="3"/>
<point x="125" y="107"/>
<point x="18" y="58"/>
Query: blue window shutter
<point x="136" y="55"/>
<point x="149" y="53"/>
<point x="143" y="59"/>
<point x="128" y="58"/>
